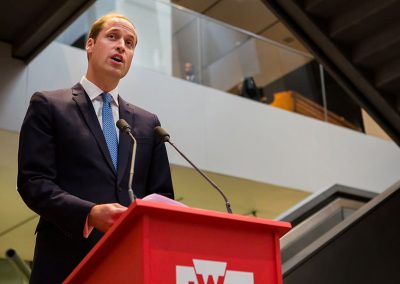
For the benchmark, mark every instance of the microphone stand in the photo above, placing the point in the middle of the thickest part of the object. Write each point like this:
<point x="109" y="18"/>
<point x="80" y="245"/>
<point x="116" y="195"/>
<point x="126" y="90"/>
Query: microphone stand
<point x="165" y="138"/>
<point x="124" y="127"/>
<point x="227" y="203"/>
<point x="132" y="196"/>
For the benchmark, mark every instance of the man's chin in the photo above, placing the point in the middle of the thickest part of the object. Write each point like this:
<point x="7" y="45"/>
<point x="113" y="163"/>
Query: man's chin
<point x="117" y="74"/>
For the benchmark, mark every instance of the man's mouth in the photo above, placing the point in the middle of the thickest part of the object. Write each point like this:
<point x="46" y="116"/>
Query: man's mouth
<point x="117" y="58"/>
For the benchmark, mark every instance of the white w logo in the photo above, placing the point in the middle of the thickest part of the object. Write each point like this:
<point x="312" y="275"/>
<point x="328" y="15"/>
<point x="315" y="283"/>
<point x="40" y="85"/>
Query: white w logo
<point x="211" y="272"/>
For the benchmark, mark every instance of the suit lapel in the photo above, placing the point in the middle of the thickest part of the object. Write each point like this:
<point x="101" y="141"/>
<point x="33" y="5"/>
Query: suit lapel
<point x="125" y="143"/>
<point x="88" y="113"/>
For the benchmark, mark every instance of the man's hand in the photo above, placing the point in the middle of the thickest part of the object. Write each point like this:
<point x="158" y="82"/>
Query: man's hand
<point x="102" y="216"/>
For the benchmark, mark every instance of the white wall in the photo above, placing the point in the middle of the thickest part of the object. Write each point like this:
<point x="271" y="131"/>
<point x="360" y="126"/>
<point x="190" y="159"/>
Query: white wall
<point x="220" y="132"/>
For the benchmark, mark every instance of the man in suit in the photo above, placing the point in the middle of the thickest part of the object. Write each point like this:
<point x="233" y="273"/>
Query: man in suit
<point x="68" y="170"/>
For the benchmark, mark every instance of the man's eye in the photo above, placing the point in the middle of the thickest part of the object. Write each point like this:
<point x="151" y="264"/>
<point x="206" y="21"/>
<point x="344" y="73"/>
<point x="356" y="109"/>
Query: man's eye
<point x="111" y="36"/>
<point x="129" y="43"/>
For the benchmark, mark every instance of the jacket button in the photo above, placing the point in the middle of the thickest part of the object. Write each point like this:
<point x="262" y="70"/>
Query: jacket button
<point x="119" y="188"/>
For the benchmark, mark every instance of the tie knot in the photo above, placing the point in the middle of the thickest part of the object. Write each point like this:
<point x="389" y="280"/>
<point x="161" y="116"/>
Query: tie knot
<point x="107" y="98"/>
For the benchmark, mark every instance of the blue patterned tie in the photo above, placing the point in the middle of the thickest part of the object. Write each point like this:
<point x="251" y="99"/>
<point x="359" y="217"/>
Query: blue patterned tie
<point x="109" y="130"/>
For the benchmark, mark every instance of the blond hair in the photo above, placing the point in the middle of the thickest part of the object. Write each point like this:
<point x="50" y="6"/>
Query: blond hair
<point x="97" y="25"/>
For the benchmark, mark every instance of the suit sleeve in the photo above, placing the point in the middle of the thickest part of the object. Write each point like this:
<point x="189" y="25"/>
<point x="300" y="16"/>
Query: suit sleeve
<point x="160" y="174"/>
<point x="37" y="171"/>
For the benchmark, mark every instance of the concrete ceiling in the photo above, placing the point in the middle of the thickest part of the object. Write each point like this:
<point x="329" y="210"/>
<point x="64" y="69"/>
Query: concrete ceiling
<point x="29" y="26"/>
<point x="249" y="15"/>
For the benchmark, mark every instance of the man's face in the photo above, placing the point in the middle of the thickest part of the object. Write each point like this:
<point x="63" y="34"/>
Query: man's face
<point x="112" y="52"/>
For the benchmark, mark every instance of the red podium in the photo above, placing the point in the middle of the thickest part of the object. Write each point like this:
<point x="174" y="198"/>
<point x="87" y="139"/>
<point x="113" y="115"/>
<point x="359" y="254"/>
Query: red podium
<point x="154" y="243"/>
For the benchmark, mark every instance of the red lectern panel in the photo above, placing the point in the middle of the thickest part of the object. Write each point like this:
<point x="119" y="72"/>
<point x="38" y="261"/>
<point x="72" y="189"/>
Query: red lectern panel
<point x="157" y="243"/>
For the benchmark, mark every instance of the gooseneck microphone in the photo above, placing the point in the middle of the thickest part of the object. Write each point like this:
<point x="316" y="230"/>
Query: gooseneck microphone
<point x="124" y="127"/>
<point x="166" y="138"/>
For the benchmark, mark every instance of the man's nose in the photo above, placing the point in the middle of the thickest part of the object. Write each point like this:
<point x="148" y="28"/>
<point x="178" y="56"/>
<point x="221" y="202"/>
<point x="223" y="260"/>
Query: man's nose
<point x="121" y="45"/>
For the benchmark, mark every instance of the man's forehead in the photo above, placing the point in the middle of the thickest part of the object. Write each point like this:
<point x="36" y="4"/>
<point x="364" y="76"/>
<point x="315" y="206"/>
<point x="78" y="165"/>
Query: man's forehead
<point x="119" y="24"/>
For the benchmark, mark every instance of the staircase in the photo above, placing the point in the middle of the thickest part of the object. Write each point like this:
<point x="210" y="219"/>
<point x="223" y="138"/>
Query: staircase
<point x="355" y="247"/>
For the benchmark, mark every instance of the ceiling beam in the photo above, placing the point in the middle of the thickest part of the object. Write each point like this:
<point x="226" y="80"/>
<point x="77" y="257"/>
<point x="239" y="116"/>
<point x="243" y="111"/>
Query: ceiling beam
<point x="47" y="27"/>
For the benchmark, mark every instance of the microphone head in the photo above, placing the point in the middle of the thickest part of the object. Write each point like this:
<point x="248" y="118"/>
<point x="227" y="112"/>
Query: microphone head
<point x="160" y="132"/>
<point x="123" y="126"/>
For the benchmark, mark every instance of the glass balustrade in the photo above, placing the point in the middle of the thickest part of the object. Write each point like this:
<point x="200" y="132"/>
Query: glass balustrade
<point x="196" y="48"/>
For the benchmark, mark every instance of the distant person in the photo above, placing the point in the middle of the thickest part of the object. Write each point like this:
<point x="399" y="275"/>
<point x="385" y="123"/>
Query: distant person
<point x="189" y="72"/>
<point x="249" y="89"/>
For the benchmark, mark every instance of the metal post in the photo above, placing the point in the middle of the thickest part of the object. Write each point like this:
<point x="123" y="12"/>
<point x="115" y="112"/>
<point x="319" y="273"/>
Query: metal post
<point x="20" y="266"/>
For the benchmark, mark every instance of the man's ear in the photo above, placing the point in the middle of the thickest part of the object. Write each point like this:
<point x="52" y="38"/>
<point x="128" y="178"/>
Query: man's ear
<point x="89" y="45"/>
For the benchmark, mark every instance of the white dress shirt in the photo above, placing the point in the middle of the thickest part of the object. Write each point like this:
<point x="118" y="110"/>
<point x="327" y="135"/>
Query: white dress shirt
<point x="94" y="94"/>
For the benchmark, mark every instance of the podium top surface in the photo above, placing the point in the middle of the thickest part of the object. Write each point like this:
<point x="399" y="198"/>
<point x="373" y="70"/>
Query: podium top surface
<point x="141" y="207"/>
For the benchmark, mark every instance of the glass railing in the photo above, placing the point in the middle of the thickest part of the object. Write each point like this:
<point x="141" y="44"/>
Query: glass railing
<point x="196" y="48"/>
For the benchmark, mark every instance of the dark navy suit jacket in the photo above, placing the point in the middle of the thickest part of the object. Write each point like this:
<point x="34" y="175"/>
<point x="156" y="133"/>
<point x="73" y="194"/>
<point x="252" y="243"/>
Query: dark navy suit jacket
<point x="65" y="168"/>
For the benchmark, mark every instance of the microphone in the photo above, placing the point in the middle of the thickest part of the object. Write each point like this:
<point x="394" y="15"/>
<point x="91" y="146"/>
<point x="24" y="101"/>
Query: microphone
<point x="166" y="138"/>
<point x="124" y="127"/>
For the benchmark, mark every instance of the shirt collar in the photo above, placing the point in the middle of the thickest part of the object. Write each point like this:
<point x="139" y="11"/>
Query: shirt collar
<point x="94" y="92"/>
